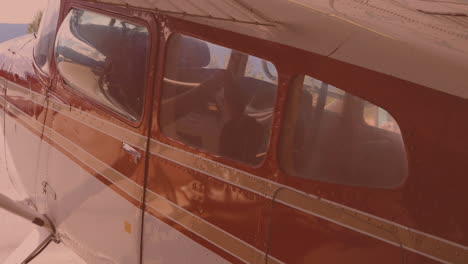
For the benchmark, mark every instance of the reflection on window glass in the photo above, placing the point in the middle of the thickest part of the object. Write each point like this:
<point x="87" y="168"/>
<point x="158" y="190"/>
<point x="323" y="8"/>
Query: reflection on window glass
<point x="333" y="136"/>
<point x="261" y="70"/>
<point x="211" y="101"/>
<point x="46" y="34"/>
<point x="378" y="117"/>
<point x="89" y="55"/>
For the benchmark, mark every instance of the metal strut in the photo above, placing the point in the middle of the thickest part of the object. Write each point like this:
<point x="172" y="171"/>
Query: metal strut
<point x="37" y="240"/>
<point x="25" y="212"/>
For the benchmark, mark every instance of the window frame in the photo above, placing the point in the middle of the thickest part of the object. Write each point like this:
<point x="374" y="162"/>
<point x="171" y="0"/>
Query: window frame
<point x="47" y="78"/>
<point x="293" y="87"/>
<point x="152" y="41"/>
<point x="183" y="146"/>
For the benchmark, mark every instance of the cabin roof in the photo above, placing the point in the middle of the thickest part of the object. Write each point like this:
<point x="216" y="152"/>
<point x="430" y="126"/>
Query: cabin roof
<point x="424" y="42"/>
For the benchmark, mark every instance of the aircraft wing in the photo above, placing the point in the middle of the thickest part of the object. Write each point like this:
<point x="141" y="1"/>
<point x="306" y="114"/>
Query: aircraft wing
<point x="422" y="41"/>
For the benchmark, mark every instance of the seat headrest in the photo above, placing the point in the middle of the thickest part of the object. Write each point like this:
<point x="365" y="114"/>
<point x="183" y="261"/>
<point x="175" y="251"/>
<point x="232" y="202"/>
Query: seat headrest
<point x="188" y="52"/>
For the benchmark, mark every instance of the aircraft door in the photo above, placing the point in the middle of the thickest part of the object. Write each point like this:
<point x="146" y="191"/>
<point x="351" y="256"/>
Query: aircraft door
<point x="211" y="125"/>
<point x="96" y="133"/>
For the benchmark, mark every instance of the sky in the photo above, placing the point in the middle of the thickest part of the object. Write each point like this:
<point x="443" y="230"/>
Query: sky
<point x="20" y="11"/>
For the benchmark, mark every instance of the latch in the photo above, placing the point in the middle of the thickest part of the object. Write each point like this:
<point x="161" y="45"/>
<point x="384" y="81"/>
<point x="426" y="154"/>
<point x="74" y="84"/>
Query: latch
<point x="47" y="190"/>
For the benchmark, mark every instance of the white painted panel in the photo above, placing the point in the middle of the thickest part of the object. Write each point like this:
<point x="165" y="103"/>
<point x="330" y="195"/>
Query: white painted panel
<point x="163" y="244"/>
<point x="21" y="155"/>
<point x="90" y="217"/>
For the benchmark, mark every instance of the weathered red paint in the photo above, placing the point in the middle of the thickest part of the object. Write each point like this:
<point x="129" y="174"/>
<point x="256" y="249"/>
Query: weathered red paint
<point x="433" y="126"/>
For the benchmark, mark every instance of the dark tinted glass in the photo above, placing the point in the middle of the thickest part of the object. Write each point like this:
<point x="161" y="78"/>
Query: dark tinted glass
<point x="217" y="99"/>
<point x="104" y="58"/>
<point x="333" y="136"/>
<point x="46" y="35"/>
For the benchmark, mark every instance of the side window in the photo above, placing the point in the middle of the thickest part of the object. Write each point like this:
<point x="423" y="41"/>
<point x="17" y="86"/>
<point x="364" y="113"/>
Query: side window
<point x="104" y="58"/>
<point x="46" y="35"/>
<point x="333" y="136"/>
<point x="211" y="101"/>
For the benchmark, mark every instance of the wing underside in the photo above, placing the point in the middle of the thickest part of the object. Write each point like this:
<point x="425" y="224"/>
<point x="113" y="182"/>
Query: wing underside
<point x="420" y="41"/>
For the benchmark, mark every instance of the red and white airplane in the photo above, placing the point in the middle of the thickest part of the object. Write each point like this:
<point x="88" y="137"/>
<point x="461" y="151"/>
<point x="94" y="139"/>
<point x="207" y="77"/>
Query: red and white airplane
<point x="234" y="131"/>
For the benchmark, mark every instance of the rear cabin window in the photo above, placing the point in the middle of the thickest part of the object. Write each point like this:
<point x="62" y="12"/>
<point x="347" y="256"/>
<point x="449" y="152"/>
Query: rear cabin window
<point x="333" y="136"/>
<point x="46" y="36"/>
<point x="217" y="99"/>
<point x="105" y="59"/>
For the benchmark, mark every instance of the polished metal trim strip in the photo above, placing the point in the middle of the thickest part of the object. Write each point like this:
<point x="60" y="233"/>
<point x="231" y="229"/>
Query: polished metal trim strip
<point x="92" y="121"/>
<point x="225" y="241"/>
<point x="390" y="232"/>
<point x="215" y="235"/>
<point x="121" y="181"/>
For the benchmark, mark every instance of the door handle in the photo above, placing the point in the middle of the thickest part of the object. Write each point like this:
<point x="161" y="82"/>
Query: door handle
<point x="132" y="151"/>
